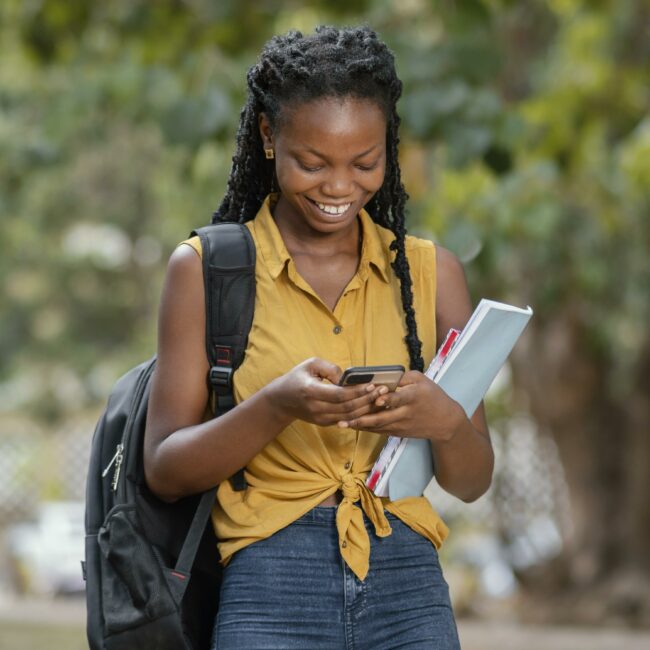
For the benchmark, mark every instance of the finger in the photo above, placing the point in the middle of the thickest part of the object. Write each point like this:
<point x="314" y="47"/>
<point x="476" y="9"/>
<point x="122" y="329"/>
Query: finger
<point x="410" y="377"/>
<point x="335" y="413"/>
<point x="352" y="415"/>
<point x="367" y="398"/>
<point x="349" y="397"/>
<point x="349" y="408"/>
<point x="383" y="420"/>
<point x="324" y="370"/>
<point x="395" y="399"/>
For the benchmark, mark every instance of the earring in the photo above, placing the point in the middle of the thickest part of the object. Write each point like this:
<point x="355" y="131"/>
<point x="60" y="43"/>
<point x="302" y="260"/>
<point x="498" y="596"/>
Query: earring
<point x="269" y="153"/>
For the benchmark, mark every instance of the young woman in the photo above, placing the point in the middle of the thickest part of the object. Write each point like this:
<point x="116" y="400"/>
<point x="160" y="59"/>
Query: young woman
<point x="312" y="558"/>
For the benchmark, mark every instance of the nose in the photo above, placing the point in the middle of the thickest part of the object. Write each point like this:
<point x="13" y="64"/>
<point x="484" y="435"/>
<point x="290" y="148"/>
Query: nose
<point x="338" y="185"/>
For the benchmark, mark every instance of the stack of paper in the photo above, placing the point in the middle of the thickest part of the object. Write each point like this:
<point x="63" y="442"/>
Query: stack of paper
<point x="464" y="368"/>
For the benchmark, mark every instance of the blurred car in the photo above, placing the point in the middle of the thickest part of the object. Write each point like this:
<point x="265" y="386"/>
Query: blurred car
<point x="44" y="555"/>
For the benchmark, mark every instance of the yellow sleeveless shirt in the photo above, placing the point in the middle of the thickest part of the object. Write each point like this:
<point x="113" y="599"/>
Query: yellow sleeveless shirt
<point x="306" y="463"/>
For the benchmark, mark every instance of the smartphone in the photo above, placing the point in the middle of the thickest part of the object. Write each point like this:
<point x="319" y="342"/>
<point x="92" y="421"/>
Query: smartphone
<point x="378" y="375"/>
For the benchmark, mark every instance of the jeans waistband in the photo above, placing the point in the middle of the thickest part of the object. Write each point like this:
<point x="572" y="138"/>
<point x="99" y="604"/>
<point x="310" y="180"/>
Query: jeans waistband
<point x="326" y="515"/>
<point x="320" y="515"/>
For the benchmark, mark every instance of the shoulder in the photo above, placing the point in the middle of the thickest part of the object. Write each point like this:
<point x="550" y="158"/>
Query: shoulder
<point x="420" y="252"/>
<point x="181" y="317"/>
<point x="453" y="302"/>
<point x="195" y="243"/>
<point x="434" y="261"/>
<point x="413" y="243"/>
<point x="184" y="268"/>
<point x="428" y="252"/>
<point x="449" y="268"/>
<point x="422" y="257"/>
<point x="419" y="249"/>
<point x="187" y="254"/>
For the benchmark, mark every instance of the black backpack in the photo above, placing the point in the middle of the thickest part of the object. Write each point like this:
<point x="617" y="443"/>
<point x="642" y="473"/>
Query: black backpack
<point x="152" y="568"/>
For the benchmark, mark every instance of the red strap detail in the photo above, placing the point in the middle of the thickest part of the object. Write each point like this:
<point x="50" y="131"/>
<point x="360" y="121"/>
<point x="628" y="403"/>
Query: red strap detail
<point x="224" y="356"/>
<point x="179" y="575"/>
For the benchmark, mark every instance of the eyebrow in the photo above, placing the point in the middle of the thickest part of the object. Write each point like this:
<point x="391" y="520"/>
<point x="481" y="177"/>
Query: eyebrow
<point x="320" y="155"/>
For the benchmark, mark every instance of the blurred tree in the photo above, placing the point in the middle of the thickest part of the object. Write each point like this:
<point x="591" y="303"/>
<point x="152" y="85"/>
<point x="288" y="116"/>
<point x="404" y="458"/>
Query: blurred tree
<point x="546" y="195"/>
<point x="526" y="149"/>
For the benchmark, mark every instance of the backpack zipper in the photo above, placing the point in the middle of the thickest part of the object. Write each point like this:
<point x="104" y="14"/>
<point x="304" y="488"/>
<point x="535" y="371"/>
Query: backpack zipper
<point x="128" y="427"/>
<point x="117" y="460"/>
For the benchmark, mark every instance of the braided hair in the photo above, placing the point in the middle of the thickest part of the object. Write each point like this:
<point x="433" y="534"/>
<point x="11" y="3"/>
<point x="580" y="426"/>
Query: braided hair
<point x="294" y="69"/>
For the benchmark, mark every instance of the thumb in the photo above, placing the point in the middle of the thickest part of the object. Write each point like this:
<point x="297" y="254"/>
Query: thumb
<point x="324" y="370"/>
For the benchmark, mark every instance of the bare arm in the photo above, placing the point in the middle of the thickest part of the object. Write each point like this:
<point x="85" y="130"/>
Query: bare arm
<point x="184" y="455"/>
<point x="464" y="462"/>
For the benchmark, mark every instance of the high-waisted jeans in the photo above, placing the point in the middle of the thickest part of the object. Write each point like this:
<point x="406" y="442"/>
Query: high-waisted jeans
<point x="293" y="590"/>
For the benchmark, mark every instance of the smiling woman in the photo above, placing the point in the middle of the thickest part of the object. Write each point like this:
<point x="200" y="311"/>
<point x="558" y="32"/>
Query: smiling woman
<point x="313" y="559"/>
<point x="322" y="159"/>
<point x="327" y="173"/>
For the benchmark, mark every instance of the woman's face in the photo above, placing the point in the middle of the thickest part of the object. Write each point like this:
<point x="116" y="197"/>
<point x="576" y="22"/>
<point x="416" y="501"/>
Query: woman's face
<point x="330" y="158"/>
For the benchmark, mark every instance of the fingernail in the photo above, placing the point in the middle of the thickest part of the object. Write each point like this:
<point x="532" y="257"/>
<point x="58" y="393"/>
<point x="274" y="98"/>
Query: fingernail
<point x="383" y="390"/>
<point x="370" y="388"/>
<point x="381" y="402"/>
<point x="342" y="424"/>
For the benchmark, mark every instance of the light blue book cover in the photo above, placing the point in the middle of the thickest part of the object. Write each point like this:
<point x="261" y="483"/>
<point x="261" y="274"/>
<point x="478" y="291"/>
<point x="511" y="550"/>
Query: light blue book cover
<point x="481" y="350"/>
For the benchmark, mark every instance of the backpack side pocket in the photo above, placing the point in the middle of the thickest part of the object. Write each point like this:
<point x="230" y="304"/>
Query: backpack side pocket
<point x="134" y="589"/>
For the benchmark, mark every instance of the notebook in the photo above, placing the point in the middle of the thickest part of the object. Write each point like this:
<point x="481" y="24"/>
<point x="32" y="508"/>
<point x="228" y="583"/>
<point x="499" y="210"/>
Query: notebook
<point x="404" y="467"/>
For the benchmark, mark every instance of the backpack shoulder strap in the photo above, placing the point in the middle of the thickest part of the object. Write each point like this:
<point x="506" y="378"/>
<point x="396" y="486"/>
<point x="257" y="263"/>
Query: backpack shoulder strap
<point x="228" y="255"/>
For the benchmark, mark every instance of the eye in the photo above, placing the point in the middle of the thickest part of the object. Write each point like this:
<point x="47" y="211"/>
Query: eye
<point x="309" y="168"/>
<point x="367" y="168"/>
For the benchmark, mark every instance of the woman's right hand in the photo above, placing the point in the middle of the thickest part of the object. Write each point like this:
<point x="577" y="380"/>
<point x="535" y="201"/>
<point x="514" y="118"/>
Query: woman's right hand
<point x="310" y="392"/>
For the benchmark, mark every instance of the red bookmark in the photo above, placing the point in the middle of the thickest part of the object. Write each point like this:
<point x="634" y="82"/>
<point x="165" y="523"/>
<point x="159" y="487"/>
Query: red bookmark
<point x="372" y="481"/>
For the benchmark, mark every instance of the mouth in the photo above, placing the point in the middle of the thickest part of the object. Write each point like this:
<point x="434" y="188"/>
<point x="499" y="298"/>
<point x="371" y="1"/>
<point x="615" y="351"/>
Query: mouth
<point x="331" y="210"/>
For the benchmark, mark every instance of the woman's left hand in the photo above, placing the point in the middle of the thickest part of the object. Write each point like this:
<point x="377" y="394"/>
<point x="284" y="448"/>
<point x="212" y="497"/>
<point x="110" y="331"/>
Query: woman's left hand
<point x="417" y="409"/>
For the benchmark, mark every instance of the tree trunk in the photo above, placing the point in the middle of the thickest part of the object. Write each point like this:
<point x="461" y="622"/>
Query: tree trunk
<point x="603" y="573"/>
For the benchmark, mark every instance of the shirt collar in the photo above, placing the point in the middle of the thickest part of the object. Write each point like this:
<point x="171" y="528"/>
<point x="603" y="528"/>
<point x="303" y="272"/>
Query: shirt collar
<point x="374" y="249"/>
<point x="269" y="240"/>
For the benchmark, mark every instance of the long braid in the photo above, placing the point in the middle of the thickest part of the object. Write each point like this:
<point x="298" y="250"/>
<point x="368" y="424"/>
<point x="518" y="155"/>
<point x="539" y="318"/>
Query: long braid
<point x="401" y="265"/>
<point x="293" y="69"/>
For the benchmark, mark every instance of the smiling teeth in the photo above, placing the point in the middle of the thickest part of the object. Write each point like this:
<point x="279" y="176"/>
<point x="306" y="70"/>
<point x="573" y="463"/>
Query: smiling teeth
<point x="333" y="209"/>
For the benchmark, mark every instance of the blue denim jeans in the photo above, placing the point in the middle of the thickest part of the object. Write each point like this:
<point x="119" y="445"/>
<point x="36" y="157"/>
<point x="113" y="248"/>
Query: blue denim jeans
<point x="293" y="590"/>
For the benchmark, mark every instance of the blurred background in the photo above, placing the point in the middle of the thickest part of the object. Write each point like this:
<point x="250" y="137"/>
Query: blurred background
<point x="526" y="151"/>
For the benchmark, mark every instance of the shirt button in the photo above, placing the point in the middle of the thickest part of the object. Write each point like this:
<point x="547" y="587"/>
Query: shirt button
<point x="337" y="329"/>
<point x="344" y="544"/>
<point x="348" y="465"/>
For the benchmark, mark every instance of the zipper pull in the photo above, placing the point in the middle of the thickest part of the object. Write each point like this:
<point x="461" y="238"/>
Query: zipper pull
<point x="110" y="464"/>
<point x="119" y="457"/>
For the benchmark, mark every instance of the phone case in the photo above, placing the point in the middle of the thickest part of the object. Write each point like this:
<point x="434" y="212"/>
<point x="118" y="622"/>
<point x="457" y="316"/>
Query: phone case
<point x="384" y="375"/>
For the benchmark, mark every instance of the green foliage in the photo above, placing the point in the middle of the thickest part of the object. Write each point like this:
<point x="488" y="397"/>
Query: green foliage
<point x="528" y="123"/>
<point x="567" y="228"/>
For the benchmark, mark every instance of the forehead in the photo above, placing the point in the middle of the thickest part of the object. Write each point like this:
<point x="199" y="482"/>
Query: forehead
<point x="346" y="123"/>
